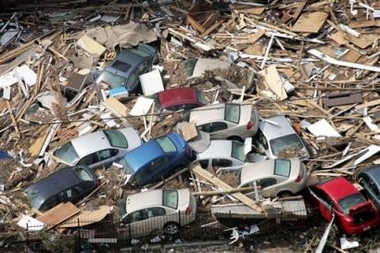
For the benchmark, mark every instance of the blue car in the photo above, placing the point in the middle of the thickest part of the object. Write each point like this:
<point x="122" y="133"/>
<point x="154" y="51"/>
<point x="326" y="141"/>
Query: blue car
<point x="157" y="158"/>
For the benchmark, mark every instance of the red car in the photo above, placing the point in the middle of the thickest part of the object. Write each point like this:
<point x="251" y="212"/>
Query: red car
<point x="354" y="214"/>
<point x="185" y="98"/>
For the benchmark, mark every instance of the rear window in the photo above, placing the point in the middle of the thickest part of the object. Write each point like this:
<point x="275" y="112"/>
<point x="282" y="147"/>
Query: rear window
<point x="170" y="198"/>
<point x="282" y="167"/>
<point x="116" y="138"/>
<point x="35" y="198"/>
<point x="288" y="141"/>
<point x="166" y="144"/>
<point x="67" y="153"/>
<point x="347" y="203"/>
<point x="238" y="151"/>
<point x="121" y="66"/>
<point x="232" y="113"/>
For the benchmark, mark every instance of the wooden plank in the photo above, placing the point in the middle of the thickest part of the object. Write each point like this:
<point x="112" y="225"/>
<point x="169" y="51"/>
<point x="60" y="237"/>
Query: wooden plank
<point x="117" y="108"/>
<point x="273" y="81"/>
<point x="368" y="104"/>
<point x="58" y="214"/>
<point x="197" y="169"/>
<point x="343" y="98"/>
<point x="310" y="22"/>
<point x="198" y="27"/>
<point x="37" y="145"/>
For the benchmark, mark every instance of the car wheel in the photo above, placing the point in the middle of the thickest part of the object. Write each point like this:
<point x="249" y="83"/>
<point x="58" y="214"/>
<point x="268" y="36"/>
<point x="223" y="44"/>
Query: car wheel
<point x="284" y="194"/>
<point x="235" y="138"/>
<point x="171" y="228"/>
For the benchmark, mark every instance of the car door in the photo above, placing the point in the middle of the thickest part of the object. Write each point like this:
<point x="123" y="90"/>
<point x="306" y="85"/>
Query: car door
<point x="216" y="129"/>
<point x="137" y="223"/>
<point x="267" y="185"/>
<point x="106" y="157"/>
<point x="324" y="203"/>
<point x="90" y="160"/>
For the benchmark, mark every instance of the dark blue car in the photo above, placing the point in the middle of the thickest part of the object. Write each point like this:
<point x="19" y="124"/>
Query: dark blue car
<point x="157" y="158"/>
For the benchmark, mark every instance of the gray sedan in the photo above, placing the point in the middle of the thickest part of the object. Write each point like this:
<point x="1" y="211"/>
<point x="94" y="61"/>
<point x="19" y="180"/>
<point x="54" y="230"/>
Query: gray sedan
<point x="370" y="180"/>
<point x="98" y="149"/>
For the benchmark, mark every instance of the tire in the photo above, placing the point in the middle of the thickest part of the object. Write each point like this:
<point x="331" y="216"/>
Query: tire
<point x="235" y="138"/>
<point x="171" y="228"/>
<point x="284" y="194"/>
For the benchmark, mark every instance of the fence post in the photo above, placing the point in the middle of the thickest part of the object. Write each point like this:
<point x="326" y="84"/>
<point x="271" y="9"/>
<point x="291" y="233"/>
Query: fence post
<point x="79" y="237"/>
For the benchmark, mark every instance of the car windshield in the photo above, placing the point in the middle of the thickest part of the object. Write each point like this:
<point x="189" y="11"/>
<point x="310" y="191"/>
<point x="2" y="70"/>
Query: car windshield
<point x="238" y="151"/>
<point x="67" y="153"/>
<point x="201" y="98"/>
<point x="139" y="52"/>
<point x="232" y="113"/>
<point x="347" y="203"/>
<point x="83" y="174"/>
<point x="116" y="138"/>
<point x="170" y="198"/>
<point x="190" y="65"/>
<point x="282" y="167"/>
<point x="35" y="199"/>
<point x="288" y="141"/>
<point x="166" y="144"/>
<point x="122" y="205"/>
<point x="115" y="81"/>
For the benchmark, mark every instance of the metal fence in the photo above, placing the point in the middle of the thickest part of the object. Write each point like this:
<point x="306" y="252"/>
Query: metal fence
<point x="84" y="236"/>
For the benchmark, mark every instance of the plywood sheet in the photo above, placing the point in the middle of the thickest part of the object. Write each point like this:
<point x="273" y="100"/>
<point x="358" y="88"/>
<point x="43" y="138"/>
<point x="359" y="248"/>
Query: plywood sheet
<point x="87" y="217"/>
<point x="58" y="214"/>
<point x="310" y="22"/>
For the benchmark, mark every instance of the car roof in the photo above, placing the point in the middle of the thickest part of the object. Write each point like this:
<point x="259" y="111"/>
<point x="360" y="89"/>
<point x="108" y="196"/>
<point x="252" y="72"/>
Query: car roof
<point x="373" y="172"/>
<point x="178" y="96"/>
<point x="216" y="149"/>
<point x="214" y="112"/>
<point x="338" y="188"/>
<point x="126" y="56"/>
<point x="276" y="126"/>
<point x="55" y="183"/>
<point x="257" y="170"/>
<point x="90" y="143"/>
<point x="153" y="198"/>
<point x="138" y="157"/>
<point x="144" y="199"/>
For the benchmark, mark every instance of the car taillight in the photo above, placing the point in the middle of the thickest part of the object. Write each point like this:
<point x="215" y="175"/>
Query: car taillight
<point x="249" y="125"/>
<point x="188" y="211"/>
<point x="98" y="182"/>
<point x="298" y="179"/>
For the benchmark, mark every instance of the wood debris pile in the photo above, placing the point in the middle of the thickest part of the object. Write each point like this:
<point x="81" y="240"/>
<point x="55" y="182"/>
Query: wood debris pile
<point x="314" y="61"/>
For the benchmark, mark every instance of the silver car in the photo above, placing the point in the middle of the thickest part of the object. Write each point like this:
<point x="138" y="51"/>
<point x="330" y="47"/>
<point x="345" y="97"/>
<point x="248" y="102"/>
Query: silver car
<point x="275" y="135"/>
<point x="157" y="210"/>
<point x="98" y="149"/>
<point x="231" y="121"/>
<point x="225" y="154"/>
<point x="274" y="177"/>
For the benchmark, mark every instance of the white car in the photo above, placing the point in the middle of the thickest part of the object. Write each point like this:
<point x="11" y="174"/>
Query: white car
<point x="274" y="177"/>
<point x="275" y="135"/>
<point x="231" y="121"/>
<point x="157" y="210"/>
<point x="225" y="154"/>
<point x="98" y="149"/>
